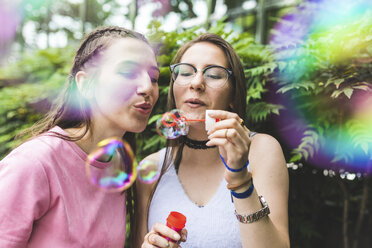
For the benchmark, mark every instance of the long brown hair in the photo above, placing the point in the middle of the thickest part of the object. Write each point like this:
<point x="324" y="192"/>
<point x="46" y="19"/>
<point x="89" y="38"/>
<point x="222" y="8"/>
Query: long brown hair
<point x="174" y="147"/>
<point x="72" y="110"/>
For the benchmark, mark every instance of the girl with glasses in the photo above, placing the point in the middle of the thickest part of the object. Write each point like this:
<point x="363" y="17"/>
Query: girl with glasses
<point x="229" y="182"/>
<point x="46" y="198"/>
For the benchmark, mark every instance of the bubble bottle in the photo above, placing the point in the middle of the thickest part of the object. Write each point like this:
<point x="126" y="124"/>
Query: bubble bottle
<point x="176" y="221"/>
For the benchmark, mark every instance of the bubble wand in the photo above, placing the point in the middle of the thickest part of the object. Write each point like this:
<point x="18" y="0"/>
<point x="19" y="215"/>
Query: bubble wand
<point x="174" y="123"/>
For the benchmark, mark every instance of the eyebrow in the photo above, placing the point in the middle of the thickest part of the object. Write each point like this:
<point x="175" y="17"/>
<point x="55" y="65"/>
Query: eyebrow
<point x="205" y="65"/>
<point x="132" y="63"/>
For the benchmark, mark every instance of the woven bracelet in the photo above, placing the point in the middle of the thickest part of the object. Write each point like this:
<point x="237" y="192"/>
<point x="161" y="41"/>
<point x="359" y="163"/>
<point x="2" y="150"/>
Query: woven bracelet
<point x="231" y="169"/>
<point x="235" y="187"/>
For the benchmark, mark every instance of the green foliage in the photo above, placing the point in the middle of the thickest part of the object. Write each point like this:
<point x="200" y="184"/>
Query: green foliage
<point x="361" y="133"/>
<point x="322" y="76"/>
<point x="310" y="144"/>
<point x="261" y="110"/>
<point x="39" y="75"/>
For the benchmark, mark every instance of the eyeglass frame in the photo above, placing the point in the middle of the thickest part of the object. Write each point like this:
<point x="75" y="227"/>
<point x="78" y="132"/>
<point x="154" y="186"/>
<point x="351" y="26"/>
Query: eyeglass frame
<point x="229" y="72"/>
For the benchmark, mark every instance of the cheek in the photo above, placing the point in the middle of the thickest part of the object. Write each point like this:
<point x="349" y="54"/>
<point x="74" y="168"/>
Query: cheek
<point x="112" y="96"/>
<point x="156" y="93"/>
<point x="223" y="98"/>
<point x="176" y="93"/>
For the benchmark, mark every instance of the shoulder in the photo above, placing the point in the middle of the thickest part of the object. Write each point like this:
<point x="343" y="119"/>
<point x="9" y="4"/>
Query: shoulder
<point x="25" y="166"/>
<point x="156" y="159"/>
<point x="262" y="141"/>
<point x="30" y="150"/>
<point x="34" y="153"/>
<point x="266" y="152"/>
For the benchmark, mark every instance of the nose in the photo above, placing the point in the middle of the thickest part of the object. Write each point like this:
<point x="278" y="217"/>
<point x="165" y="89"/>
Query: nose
<point x="145" y="86"/>
<point x="197" y="82"/>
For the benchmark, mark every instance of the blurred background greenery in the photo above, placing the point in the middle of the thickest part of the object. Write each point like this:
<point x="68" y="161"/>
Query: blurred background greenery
<point x="329" y="203"/>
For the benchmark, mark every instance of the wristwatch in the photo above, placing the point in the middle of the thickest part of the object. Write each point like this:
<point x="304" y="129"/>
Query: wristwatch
<point x="250" y="218"/>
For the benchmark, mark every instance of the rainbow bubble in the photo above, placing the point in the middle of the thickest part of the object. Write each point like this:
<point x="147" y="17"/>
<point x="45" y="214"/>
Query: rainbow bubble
<point x="323" y="51"/>
<point x="148" y="171"/>
<point x="111" y="167"/>
<point x="172" y="124"/>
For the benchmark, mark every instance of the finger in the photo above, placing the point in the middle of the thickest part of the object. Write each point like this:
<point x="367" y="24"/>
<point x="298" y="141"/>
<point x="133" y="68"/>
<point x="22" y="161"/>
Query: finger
<point x="184" y="235"/>
<point x="232" y="136"/>
<point x="166" y="231"/>
<point x="232" y="147"/>
<point x="230" y="124"/>
<point x="155" y="240"/>
<point x="146" y="241"/>
<point x="222" y="114"/>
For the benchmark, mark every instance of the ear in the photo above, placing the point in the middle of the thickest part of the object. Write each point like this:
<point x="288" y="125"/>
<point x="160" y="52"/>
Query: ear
<point x="81" y="79"/>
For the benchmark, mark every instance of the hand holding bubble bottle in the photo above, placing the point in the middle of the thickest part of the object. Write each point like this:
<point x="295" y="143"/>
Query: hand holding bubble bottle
<point x="174" y="124"/>
<point x="177" y="222"/>
<point x="112" y="166"/>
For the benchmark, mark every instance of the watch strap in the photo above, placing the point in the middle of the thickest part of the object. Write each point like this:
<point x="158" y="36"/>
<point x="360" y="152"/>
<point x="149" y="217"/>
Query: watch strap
<point x="256" y="216"/>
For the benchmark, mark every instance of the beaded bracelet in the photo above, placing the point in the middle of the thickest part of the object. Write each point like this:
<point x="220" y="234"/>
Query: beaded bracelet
<point x="234" y="170"/>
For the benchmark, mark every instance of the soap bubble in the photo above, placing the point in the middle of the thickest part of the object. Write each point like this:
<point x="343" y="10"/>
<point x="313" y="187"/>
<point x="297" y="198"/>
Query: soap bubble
<point x="172" y="124"/>
<point x="148" y="171"/>
<point x="111" y="166"/>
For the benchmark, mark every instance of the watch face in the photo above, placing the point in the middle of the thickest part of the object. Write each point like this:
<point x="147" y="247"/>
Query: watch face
<point x="262" y="200"/>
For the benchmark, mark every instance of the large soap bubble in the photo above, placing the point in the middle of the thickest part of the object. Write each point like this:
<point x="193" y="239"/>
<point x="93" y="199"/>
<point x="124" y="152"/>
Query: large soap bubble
<point x="112" y="166"/>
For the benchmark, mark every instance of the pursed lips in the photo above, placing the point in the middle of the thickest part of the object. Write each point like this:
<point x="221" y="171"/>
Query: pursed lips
<point x="194" y="102"/>
<point x="144" y="107"/>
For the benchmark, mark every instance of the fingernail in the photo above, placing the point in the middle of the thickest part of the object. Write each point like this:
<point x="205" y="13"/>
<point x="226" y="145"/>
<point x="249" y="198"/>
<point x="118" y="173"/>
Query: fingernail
<point x="176" y="236"/>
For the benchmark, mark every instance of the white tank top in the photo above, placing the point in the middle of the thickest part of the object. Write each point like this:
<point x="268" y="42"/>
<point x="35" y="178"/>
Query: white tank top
<point x="213" y="225"/>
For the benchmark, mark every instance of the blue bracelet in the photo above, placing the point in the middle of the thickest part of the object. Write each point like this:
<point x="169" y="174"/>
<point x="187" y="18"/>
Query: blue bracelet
<point x="231" y="169"/>
<point x="243" y="195"/>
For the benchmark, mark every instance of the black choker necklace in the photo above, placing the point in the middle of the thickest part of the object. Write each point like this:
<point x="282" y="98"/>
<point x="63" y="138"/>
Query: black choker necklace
<point x="196" y="144"/>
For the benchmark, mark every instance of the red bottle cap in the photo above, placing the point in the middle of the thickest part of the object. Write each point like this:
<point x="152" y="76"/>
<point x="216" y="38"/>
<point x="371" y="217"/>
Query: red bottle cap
<point x="176" y="219"/>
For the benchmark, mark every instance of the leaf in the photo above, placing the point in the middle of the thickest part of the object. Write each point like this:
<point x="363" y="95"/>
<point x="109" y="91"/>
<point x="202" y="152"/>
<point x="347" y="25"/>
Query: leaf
<point x="348" y="92"/>
<point x="337" y="82"/>
<point x="154" y="118"/>
<point x="365" y="147"/>
<point x="295" y="158"/>
<point x="260" y="111"/>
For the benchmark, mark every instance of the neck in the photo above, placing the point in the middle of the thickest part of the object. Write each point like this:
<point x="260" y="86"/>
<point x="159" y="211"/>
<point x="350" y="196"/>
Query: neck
<point x="197" y="132"/>
<point x="89" y="141"/>
<point x="200" y="158"/>
<point x="196" y="144"/>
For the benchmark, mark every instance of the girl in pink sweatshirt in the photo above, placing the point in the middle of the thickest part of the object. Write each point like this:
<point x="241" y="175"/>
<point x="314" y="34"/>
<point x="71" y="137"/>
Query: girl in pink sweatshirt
<point x="46" y="199"/>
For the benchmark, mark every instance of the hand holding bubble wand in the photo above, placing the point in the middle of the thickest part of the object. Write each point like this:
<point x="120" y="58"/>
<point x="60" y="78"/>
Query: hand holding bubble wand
<point x="174" y="124"/>
<point x="112" y="166"/>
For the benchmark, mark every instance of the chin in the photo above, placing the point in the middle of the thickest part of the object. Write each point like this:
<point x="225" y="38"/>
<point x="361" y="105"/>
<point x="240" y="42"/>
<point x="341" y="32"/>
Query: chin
<point x="195" y="115"/>
<point x="137" y="129"/>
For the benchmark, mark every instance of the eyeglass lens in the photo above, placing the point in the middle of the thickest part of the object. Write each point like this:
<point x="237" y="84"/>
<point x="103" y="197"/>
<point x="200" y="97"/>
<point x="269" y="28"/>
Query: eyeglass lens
<point x="214" y="76"/>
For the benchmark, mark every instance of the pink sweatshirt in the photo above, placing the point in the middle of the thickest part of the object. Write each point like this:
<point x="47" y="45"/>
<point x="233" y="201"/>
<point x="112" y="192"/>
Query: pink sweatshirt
<point x="47" y="201"/>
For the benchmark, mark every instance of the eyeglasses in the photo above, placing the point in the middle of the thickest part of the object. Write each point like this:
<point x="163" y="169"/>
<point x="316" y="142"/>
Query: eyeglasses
<point x="214" y="76"/>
